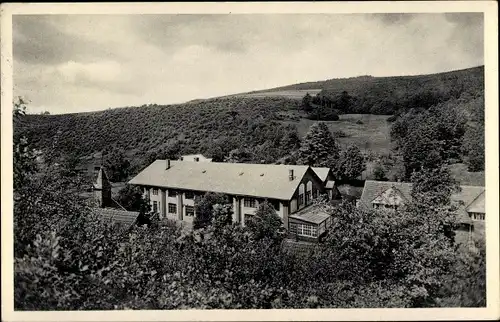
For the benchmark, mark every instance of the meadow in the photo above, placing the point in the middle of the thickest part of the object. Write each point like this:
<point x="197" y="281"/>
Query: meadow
<point x="371" y="134"/>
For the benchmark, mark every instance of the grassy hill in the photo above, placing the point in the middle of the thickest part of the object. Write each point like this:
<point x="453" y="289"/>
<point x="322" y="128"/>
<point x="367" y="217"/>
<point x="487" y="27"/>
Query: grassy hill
<point x="387" y="95"/>
<point x="262" y="126"/>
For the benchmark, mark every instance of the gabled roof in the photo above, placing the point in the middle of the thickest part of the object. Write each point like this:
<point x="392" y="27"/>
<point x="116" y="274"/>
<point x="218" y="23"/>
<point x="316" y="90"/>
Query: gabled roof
<point x="257" y="180"/>
<point x="392" y="196"/>
<point x="373" y="189"/>
<point x="126" y="218"/>
<point x="478" y="205"/>
<point x="469" y="197"/>
<point x="322" y="173"/>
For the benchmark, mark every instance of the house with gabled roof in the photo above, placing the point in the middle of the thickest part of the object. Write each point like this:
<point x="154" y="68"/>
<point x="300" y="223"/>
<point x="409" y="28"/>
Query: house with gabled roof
<point x="328" y="179"/>
<point x="171" y="187"/>
<point x="392" y="195"/>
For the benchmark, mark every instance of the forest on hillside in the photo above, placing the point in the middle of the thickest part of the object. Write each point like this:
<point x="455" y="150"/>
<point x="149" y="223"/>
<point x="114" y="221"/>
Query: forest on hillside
<point x="242" y="129"/>
<point x="394" y="95"/>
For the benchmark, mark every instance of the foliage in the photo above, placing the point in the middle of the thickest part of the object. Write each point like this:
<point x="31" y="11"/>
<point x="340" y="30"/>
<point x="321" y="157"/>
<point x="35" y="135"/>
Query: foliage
<point x="389" y="95"/>
<point x="266" y="223"/>
<point x="204" y="208"/>
<point x="131" y="198"/>
<point x="429" y="138"/>
<point x="474" y="147"/>
<point x="318" y="146"/>
<point x="435" y="184"/>
<point x="117" y="165"/>
<point x="351" y="163"/>
<point x="157" y="131"/>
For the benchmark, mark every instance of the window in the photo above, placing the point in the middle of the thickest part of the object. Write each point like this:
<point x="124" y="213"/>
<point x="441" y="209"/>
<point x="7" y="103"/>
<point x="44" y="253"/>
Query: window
<point x="155" y="191"/>
<point x="275" y="204"/>
<point x="304" y="230"/>
<point x="189" y="195"/>
<point x="301" y="199"/>
<point x="172" y="208"/>
<point x="155" y="206"/>
<point x="190" y="211"/>
<point x="249" y="203"/>
<point x="196" y="159"/>
<point x="172" y="193"/>
<point x="315" y="192"/>
<point x="476" y="216"/>
<point x="308" y="197"/>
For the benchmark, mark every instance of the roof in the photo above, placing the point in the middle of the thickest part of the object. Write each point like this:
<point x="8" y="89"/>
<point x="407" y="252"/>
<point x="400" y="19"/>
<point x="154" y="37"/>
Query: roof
<point x="478" y="205"/>
<point x="330" y="184"/>
<point x="322" y="173"/>
<point x="123" y="217"/>
<point x="374" y="189"/>
<point x="192" y="156"/>
<point x="471" y="196"/>
<point x="314" y="214"/>
<point x="256" y="180"/>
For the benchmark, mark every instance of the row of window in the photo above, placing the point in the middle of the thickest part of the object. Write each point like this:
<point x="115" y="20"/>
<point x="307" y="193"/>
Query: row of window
<point x="173" y="193"/>
<point x="476" y="216"/>
<point x="252" y="203"/>
<point x="304" y="230"/>
<point x="308" y="197"/>
<point x="172" y="208"/>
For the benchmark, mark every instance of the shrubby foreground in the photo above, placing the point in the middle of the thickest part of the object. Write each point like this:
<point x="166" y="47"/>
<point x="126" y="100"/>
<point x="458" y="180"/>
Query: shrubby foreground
<point x="67" y="258"/>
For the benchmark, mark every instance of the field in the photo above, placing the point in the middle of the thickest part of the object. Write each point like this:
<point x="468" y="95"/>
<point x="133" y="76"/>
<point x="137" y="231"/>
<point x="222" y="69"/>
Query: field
<point x="460" y="173"/>
<point x="371" y="135"/>
<point x="291" y="94"/>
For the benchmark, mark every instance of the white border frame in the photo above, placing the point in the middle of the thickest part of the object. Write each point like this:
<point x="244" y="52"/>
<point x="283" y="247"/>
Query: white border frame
<point x="489" y="8"/>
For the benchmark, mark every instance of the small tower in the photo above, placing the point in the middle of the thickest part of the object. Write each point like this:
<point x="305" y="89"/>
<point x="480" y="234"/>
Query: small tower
<point x="102" y="188"/>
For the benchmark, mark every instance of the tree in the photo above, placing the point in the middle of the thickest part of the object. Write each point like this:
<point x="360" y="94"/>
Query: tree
<point x="474" y="147"/>
<point x="117" y="165"/>
<point x="434" y="184"/>
<point x="266" y="223"/>
<point x="204" y="208"/>
<point x="350" y="164"/>
<point x="318" y="146"/>
<point x="131" y="198"/>
<point x="306" y="102"/>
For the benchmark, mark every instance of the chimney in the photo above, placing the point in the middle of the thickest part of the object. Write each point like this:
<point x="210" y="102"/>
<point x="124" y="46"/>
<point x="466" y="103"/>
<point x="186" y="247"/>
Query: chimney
<point x="167" y="166"/>
<point x="290" y="174"/>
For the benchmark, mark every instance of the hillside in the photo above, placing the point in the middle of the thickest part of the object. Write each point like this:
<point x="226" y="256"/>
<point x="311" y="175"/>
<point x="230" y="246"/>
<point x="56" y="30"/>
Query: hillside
<point x="388" y="95"/>
<point x="211" y="126"/>
<point x="260" y="127"/>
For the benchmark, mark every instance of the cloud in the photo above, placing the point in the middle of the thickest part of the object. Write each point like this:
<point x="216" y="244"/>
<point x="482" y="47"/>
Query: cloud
<point x="89" y="62"/>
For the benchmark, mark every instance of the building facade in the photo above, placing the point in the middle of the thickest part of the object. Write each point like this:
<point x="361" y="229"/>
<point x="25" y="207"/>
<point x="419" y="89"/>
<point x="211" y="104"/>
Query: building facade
<point x="172" y="186"/>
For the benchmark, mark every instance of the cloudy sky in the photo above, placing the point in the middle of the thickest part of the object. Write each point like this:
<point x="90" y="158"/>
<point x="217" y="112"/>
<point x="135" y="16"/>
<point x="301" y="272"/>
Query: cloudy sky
<point x="74" y="63"/>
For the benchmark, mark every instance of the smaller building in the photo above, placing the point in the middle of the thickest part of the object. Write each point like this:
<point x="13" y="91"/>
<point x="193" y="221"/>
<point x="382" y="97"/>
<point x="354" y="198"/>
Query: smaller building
<point x="106" y="206"/>
<point x="309" y="224"/>
<point x="393" y="195"/>
<point x="195" y="158"/>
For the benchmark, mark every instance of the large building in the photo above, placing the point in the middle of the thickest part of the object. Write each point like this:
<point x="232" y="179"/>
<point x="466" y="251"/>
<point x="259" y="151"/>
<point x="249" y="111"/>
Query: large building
<point x="171" y="187"/>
